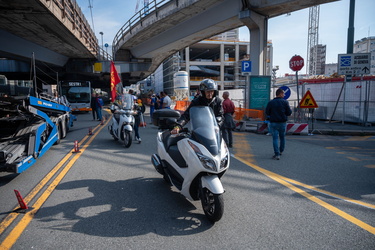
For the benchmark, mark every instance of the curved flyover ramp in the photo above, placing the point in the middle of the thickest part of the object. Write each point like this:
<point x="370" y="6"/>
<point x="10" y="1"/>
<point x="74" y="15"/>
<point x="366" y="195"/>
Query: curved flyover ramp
<point x="169" y="26"/>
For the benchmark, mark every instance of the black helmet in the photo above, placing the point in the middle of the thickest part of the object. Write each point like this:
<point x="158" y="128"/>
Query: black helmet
<point x="208" y="84"/>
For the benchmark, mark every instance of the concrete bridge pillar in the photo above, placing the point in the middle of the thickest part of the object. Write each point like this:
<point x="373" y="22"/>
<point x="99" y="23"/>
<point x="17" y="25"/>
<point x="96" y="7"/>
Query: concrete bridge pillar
<point x="258" y="26"/>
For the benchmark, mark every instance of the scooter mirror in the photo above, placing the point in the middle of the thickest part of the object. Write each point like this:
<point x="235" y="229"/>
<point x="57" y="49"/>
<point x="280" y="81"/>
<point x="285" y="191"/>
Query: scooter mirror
<point x="112" y="108"/>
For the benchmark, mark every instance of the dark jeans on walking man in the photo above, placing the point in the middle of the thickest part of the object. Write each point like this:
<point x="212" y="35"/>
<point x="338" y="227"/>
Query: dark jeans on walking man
<point x="227" y="128"/>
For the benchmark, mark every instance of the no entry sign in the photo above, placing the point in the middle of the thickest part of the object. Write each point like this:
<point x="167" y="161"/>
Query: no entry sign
<point x="296" y="63"/>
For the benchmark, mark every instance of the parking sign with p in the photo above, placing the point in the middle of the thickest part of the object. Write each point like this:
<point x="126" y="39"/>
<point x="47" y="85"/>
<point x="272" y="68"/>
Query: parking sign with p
<point x="246" y="67"/>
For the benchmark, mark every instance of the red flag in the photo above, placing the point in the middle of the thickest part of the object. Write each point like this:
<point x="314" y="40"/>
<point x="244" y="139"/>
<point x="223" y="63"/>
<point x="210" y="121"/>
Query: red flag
<point x="114" y="81"/>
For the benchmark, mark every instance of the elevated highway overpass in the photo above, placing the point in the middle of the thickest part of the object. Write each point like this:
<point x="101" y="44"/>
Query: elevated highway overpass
<point x="148" y="38"/>
<point x="58" y="33"/>
<point x="55" y="31"/>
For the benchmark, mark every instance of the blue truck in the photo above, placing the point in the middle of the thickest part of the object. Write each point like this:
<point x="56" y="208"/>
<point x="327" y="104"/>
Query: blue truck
<point x="29" y="127"/>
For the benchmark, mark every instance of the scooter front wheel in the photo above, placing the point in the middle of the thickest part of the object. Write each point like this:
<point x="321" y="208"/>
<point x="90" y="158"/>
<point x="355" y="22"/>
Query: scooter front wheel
<point x="127" y="138"/>
<point x="212" y="204"/>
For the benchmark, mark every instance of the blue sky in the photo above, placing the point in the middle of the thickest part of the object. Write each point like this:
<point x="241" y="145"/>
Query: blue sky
<point x="288" y="32"/>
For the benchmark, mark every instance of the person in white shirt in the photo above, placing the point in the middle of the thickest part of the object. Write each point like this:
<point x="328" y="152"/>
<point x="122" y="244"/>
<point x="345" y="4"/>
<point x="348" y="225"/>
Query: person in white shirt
<point x="166" y="100"/>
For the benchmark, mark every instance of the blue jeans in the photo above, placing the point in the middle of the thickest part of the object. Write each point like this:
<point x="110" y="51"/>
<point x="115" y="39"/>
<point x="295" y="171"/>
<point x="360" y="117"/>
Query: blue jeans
<point x="99" y="113"/>
<point x="227" y="136"/>
<point x="137" y="121"/>
<point x="278" y="131"/>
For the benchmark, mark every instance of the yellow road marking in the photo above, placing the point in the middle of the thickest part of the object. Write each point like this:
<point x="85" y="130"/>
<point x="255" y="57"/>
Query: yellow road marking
<point x="245" y="147"/>
<point x="11" y="217"/>
<point x="353" y="158"/>
<point x="21" y="226"/>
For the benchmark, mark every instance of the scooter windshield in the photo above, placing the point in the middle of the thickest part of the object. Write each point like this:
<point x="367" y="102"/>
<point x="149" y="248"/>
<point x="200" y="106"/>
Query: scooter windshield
<point x="204" y="128"/>
<point x="127" y="101"/>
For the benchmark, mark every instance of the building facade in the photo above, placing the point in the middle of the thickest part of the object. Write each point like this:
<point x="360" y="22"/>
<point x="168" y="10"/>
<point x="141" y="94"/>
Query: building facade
<point x="218" y="58"/>
<point x="318" y="60"/>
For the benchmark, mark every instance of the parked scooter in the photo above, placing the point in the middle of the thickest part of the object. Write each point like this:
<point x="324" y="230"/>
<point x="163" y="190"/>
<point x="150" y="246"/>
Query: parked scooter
<point x="123" y="120"/>
<point x="195" y="159"/>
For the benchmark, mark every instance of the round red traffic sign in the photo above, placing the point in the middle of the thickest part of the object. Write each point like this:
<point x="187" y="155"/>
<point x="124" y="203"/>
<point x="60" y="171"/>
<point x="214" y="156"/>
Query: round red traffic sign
<point x="296" y="63"/>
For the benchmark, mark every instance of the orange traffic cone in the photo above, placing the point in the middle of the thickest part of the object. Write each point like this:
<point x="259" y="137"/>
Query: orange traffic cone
<point x="21" y="202"/>
<point x="76" y="147"/>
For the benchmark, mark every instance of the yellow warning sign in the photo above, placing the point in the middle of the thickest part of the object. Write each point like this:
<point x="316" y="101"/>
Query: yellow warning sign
<point x="308" y="101"/>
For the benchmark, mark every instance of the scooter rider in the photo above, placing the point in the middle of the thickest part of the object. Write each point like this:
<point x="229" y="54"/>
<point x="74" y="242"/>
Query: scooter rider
<point x="209" y="97"/>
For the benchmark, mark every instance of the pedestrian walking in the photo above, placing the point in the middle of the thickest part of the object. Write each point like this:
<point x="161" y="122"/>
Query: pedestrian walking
<point x="228" y="125"/>
<point x="278" y="111"/>
<point x="93" y="106"/>
<point x="138" y="114"/>
<point x="153" y="105"/>
<point x="99" y="105"/>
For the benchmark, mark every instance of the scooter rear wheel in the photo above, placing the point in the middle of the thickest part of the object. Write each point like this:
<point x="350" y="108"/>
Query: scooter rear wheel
<point x="212" y="204"/>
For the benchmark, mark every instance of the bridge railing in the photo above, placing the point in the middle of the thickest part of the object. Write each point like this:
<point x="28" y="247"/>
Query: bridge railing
<point x="146" y="10"/>
<point x="69" y="10"/>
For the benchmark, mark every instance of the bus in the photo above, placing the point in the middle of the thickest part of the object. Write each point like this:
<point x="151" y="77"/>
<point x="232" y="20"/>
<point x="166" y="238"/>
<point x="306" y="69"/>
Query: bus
<point x="78" y="93"/>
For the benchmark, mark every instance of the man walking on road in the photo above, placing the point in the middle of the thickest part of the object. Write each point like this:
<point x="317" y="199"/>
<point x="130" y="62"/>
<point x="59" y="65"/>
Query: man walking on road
<point x="228" y="125"/>
<point x="93" y="106"/>
<point x="278" y="111"/>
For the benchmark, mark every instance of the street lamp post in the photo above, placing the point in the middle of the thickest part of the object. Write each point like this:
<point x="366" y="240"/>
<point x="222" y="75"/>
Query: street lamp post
<point x="101" y="33"/>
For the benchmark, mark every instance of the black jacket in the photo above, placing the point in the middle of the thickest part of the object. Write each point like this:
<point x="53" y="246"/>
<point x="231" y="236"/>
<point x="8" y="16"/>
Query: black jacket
<point x="278" y="110"/>
<point x="215" y="105"/>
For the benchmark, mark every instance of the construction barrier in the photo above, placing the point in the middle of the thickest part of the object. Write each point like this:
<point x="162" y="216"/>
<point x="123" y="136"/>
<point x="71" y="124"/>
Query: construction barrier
<point x="297" y="128"/>
<point x="262" y="128"/>
<point x="242" y="114"/>
<point x="181" y="105"/>
<point x="291" y="128"/>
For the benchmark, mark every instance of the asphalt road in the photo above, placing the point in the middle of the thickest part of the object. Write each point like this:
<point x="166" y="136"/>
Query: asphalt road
<point x="320" y="195"/>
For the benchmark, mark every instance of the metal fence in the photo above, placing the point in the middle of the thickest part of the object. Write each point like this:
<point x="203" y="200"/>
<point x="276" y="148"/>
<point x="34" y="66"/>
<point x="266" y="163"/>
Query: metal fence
<point x="352" y="102"/>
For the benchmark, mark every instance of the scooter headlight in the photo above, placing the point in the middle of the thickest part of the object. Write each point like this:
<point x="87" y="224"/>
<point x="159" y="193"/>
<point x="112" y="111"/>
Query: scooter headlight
<point x="206" y="161"/>
<point x="224" y="162"/>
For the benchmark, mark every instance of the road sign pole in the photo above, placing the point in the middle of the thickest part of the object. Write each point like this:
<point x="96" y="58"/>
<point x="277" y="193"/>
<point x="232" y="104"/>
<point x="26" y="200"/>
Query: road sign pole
<point x="298" y="108"/>
<point x="296" y="63"/>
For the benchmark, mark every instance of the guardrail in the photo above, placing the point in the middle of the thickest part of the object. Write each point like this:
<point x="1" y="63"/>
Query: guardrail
<point x="148" y="9"/>
<point x="69" y="10"/>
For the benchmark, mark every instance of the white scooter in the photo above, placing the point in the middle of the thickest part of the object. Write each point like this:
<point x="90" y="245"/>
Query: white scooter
<point x="123" y="120"/>
<point x="194" y="160"/>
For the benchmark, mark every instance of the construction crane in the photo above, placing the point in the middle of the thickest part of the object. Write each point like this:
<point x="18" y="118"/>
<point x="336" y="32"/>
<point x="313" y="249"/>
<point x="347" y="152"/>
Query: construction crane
<point x="312" y="41"/>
